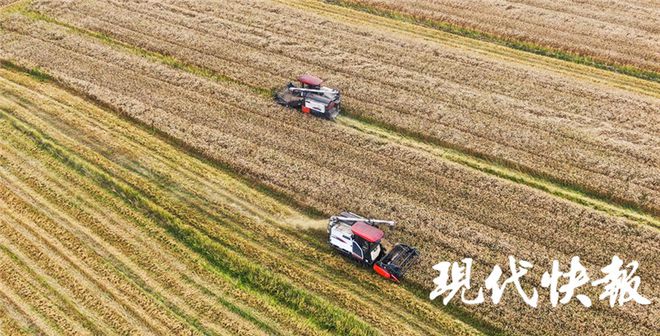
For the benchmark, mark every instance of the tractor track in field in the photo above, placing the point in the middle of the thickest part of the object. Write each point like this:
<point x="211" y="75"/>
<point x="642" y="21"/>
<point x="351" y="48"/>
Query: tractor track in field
<point x="151" y="314"/>
<point x="493" y="195"/>
<point x="13" y="319"/>
<point x="23" y="294"/>
<point x="503" y="172"/>
<point x="89" y="280"/>
<point x="467" y="131"/>
<point x="209" y="189"/>
<point x="71" y="221"/>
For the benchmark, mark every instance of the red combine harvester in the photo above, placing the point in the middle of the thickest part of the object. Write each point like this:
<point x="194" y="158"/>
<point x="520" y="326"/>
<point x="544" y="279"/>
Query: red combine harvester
<point x="311" y="97"/>
<point x="360" y="239"/>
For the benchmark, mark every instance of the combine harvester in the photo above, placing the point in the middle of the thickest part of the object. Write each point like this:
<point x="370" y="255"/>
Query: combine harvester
<point x="360" y="239"/>
<point x="311" y="97"/>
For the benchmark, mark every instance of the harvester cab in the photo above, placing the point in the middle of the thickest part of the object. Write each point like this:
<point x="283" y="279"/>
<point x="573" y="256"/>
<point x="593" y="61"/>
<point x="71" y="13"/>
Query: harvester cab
<point x="360" y="239"/>
<point x="311" y="97"/>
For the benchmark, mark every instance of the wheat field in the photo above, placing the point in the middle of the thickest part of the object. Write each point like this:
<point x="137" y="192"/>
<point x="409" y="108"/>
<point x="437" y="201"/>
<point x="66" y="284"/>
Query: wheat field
<point x="201" y="75"/>
<point x="583" y="135"/>
<point x="621" y="32"/>
<point x="89" y="201"/>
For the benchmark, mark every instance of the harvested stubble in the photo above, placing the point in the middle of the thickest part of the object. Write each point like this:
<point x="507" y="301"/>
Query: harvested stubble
<point x="622" y="32"/>
<point x="449" y="211"/>
<point x="107" y="229"/>
<point x="598" y="139"/>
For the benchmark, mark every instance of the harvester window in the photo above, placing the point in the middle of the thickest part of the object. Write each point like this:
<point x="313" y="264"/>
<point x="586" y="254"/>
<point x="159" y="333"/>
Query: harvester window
<point x="357" y="250"/>
<point x="364" y="245"/>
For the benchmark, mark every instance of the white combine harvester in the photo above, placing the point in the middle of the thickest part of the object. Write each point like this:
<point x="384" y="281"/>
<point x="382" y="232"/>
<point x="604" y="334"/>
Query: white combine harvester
<point x="360" y="239"/>
<point x="311" y="97"/>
